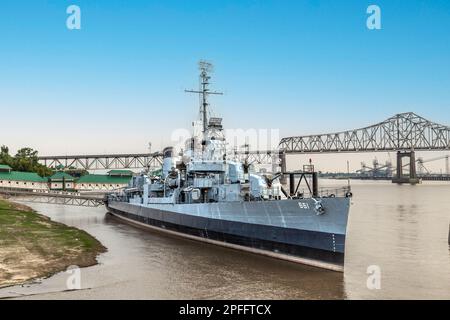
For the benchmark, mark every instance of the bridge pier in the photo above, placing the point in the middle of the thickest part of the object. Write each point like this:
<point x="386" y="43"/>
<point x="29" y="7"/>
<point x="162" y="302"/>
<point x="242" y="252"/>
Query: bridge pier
<point x="401" y="178"/>
<point x="283" y="166"/>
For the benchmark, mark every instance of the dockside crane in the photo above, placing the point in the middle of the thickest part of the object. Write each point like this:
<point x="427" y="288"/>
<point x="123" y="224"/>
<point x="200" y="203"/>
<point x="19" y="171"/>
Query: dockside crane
<point x="376" y="170"/>
<point x="421" y="164"/>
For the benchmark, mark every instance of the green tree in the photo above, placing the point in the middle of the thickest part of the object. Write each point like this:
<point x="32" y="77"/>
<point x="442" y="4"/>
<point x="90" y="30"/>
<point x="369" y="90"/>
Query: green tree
<point x="5" y="157"/>
<point x="26" y="160"/>
<point x="43" y="171"/>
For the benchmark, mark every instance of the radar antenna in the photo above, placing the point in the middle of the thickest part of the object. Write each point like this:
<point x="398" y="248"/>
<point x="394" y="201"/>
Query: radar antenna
<point x="205" y="69"/>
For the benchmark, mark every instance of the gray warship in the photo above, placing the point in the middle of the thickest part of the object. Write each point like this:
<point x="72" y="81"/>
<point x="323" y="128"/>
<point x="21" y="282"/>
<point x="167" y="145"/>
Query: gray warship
<point x="201" y="194"/>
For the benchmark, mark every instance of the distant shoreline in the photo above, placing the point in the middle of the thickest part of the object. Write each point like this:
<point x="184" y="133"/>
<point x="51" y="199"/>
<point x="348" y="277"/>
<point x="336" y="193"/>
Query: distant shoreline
<point x="32" y="246"/>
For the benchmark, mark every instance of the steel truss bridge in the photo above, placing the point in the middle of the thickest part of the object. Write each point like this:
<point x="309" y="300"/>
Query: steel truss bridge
<point x="104" y="161"/>
<point x="404" y="131"/>
<point x="62" y="198"/>
<point x="141" y="161"/>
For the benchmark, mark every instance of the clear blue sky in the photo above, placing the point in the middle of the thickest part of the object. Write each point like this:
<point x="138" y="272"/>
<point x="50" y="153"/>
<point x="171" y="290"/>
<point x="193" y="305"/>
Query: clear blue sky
<point x="301" y="66"/>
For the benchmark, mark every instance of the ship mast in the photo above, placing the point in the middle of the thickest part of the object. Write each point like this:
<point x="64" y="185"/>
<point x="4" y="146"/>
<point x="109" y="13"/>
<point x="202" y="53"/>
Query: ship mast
<point x="205" y="69"/>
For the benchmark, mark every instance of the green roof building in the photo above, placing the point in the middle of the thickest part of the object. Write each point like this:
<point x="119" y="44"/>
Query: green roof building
<point x="60" y="176"/>
<point x="115" y="179"/>
<point x="62" y="181"/>
<point x="21" y="180"/>
<point x="5" y="168"/>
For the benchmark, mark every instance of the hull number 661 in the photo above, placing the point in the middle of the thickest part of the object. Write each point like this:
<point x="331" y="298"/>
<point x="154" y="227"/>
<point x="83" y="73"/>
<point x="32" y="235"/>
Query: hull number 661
<point x="303" y="205"/>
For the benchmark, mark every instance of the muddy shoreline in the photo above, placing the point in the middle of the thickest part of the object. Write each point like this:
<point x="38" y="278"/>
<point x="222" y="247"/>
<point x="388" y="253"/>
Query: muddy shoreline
<point x="32" y="246"/>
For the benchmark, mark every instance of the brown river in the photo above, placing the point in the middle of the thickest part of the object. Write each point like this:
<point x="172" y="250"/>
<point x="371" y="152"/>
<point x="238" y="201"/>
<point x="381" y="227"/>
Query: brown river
<point x="401" y="231"/>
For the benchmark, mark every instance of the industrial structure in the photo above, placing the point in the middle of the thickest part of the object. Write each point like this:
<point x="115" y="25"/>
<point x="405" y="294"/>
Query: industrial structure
<point x="422" y="170"/>
<point x="378" y="171"/>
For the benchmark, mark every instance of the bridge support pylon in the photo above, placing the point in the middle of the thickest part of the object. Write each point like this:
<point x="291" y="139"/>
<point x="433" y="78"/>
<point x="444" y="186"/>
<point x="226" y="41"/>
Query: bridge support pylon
<point x="283" y="166"/>
<point x="411" y="177"/>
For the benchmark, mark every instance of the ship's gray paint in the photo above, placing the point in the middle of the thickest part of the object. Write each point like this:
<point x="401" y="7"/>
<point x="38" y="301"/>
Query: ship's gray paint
<point x="284" y="221"/>
<point x="282" y="213"/>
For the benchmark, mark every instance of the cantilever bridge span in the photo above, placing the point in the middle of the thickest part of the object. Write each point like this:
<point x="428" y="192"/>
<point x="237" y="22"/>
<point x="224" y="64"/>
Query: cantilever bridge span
<point x="404" y="131"/>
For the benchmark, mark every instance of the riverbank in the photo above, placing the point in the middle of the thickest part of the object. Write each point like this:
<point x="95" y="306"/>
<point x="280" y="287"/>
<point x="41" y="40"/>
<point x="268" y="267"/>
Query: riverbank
<point x="33" y="246"/>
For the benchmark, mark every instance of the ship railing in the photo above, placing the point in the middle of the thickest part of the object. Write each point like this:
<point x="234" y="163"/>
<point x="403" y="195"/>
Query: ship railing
<point x="326" y="192"/>
<point x="330" y="192"/>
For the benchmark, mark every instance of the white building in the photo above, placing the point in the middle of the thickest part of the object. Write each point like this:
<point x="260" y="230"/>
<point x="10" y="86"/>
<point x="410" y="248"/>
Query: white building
<point x="62" y="181"/>
<point x="115" y="179"/>
<point x="21" y="180"/>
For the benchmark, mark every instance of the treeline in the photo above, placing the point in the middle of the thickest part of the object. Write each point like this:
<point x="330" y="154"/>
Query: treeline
<point x="26" y="159"/>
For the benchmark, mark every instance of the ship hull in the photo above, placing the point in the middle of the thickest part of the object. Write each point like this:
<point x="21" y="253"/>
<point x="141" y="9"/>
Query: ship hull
<point x="288" y="229"/>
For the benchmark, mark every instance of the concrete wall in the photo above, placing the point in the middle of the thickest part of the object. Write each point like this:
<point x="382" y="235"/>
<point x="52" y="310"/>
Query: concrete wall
<point x="23" y="185"/>
<point x="98" y="186"/>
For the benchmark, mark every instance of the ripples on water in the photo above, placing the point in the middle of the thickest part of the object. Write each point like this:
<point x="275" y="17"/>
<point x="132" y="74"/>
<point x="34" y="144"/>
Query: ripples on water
<point x="401" y="229"/>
